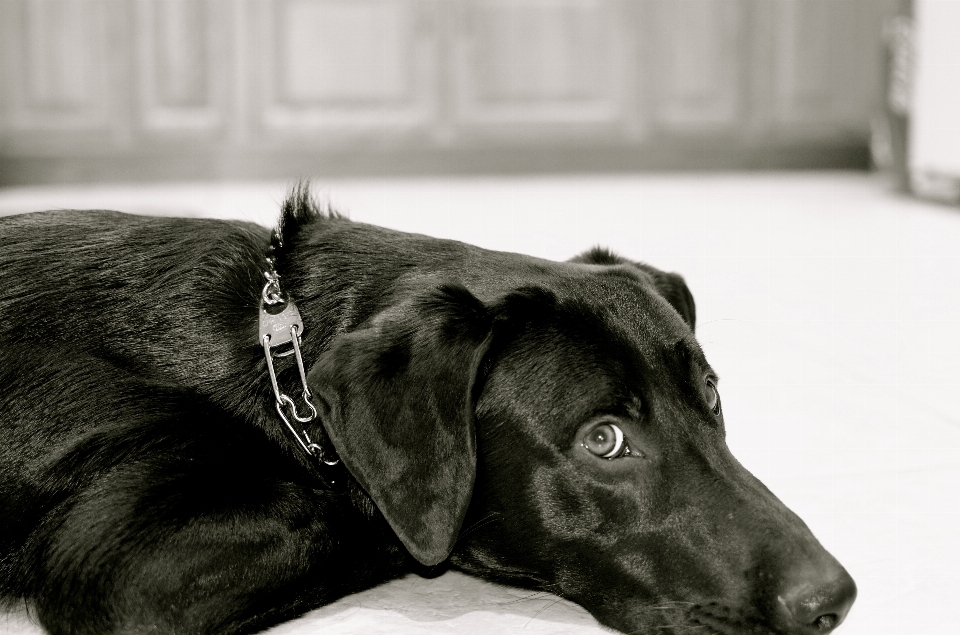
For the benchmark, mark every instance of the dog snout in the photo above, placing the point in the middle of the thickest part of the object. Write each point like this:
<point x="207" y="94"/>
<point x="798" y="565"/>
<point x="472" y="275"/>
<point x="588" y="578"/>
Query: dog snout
<point x="816" y="599"/>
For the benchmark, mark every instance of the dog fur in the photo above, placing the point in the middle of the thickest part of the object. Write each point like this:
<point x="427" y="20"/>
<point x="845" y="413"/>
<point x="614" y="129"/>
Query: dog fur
<point x="147" y="483"/>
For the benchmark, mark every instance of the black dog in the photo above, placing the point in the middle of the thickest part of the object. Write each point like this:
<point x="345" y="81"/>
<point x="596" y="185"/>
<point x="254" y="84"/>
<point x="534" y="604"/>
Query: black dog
<point x="548" y="425"/>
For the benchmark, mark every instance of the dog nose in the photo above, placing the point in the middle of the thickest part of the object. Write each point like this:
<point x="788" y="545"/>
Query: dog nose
<point x="817" y="601"/>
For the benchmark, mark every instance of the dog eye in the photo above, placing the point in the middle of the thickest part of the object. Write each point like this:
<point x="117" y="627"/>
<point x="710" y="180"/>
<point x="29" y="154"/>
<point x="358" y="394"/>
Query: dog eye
<point x="712" y="395"/>
<point x="606" y="441"/>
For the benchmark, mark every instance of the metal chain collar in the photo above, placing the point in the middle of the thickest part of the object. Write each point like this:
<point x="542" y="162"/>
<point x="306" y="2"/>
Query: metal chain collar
<point x="280" y="327"/>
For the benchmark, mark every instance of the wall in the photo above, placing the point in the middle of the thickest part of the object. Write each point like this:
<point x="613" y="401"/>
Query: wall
<point x="934" y="154"/>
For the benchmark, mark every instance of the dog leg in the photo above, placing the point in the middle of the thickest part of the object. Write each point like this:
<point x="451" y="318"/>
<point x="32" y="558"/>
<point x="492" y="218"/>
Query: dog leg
<point x="186" y="544"/>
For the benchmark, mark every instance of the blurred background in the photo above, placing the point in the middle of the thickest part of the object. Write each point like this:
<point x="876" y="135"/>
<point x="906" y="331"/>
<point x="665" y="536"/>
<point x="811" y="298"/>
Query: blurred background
<point x="797" y="161"/>
<point x="136" y="90"/>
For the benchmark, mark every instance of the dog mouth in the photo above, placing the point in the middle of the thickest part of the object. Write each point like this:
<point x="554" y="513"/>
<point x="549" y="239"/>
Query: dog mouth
<point x="713" y="618"/>
<point x="718" y="619"/>
<point x="685" y="618"/>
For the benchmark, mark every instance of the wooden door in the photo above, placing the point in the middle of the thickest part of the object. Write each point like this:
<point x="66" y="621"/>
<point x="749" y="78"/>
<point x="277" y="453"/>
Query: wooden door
<point x="208" y="88"/>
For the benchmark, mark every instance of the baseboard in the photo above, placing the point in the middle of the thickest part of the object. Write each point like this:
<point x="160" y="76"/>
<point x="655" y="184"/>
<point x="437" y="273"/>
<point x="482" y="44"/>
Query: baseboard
<point x="706" y="156"/>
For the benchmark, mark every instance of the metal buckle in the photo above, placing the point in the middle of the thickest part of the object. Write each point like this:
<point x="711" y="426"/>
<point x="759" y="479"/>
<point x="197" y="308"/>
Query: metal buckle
<point x="277" y="329"/>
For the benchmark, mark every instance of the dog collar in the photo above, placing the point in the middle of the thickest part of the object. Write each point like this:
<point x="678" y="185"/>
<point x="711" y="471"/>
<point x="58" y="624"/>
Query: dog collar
<point x="280" y="324"/>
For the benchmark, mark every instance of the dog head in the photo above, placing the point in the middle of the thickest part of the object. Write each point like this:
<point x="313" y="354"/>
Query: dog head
<point x="557" y="426"/>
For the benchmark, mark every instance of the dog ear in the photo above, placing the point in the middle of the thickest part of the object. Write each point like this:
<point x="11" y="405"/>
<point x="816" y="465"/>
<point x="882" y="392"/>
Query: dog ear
<point x="670" y="286"/>
<point x="399" y="402"/>
<point x="674" y="290"/>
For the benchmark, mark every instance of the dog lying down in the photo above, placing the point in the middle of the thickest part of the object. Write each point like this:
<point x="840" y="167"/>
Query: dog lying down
<point x="209" y="428"/>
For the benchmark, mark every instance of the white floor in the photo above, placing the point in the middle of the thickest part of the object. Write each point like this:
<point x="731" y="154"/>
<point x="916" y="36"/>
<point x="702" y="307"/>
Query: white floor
<point x="829" y="306"/>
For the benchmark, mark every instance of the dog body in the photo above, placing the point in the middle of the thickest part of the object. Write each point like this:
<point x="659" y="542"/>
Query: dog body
<point x="548" y="425"/>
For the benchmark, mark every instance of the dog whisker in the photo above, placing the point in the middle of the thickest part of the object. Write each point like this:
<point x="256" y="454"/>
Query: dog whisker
<point x="486" y="520"/>
<point x="527" y="598"/>
<point x="541" y="611"/>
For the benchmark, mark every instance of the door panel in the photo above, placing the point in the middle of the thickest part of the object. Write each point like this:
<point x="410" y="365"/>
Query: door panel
<point x="827" y="56"/>
<point x="538" y="62"/>
<point x="56" y="76"/>
<point x="343" y="67"/>
<point x="183" y="65"/>
<point x="698" y="63"/>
